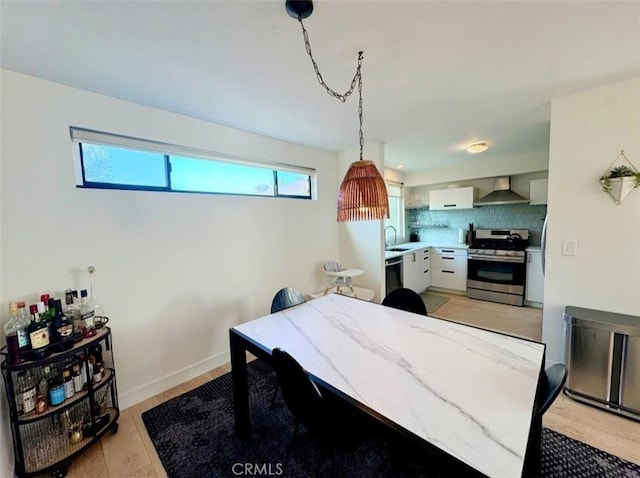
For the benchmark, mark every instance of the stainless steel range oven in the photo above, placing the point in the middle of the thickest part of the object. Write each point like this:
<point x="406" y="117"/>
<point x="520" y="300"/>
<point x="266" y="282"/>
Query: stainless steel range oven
<point x="496" y="268"/>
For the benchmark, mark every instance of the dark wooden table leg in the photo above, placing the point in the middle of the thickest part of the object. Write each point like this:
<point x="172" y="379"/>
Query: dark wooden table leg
<point x="533" y="457"/>
<point x="240" y="387"/>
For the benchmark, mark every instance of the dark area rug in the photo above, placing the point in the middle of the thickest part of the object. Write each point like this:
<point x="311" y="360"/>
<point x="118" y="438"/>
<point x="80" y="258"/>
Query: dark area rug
<point x="194" y="437"/>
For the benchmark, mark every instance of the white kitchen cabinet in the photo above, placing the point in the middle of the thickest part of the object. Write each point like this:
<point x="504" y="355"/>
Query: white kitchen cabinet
<point x="538" y="191"/>
<point x="452" y="198"/>
<point x="416" y="273"/>
<point x="449" y="268"/>
<point x="534" y="291"/>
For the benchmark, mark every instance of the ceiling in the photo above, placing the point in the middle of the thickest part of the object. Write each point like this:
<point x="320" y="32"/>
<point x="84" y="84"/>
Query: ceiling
<point x="436" y="75"/>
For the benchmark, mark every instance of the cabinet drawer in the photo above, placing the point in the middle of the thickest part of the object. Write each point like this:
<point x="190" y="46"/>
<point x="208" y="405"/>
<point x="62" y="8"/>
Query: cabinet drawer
<point x="449" y="251"/>
<point x="449" y="278"/>
<point x="449" y="261"/>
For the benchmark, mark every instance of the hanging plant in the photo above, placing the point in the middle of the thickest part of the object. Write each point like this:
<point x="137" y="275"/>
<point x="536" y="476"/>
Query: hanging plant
<point x="620" y="180"/>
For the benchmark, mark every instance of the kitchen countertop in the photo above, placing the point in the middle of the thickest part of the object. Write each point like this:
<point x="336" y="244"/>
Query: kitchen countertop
<point x="533" y="249"/>
<point x="413" y="246"/>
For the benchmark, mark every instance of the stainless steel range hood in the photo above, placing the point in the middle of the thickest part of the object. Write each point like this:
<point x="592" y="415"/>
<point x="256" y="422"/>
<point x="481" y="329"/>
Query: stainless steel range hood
<point x="502" y="194"/>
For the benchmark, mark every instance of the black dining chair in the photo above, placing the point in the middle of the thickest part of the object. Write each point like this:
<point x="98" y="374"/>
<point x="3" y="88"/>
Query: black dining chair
<point x="405" y="299"/>
<point x="285" y="298"/>
<point x="551" y="384"/>
<point x="300" y="395"/>
<point x="326" y="417"/>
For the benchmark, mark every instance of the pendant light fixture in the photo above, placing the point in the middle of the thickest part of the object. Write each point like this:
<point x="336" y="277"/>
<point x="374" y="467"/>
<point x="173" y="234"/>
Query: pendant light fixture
<point x="363" y="193"/>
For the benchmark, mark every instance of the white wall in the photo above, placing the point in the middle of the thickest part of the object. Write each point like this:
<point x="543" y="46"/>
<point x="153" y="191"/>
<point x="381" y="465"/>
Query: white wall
<point x="588" y="130"/>
<point x="361" y="243"/>
<point x="6" y="446"/>
<point x="174" y="271"/>
<point x="480" y="168"/>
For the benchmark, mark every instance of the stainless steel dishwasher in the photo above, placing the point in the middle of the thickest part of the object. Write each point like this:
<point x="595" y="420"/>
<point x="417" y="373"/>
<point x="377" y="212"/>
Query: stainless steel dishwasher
<point x="603" y="358"/>
<point x="393" y="273"/>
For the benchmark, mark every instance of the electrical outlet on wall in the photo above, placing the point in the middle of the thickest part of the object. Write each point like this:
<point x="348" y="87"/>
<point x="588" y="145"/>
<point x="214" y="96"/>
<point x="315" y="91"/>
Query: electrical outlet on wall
<point x="569" y="247"/>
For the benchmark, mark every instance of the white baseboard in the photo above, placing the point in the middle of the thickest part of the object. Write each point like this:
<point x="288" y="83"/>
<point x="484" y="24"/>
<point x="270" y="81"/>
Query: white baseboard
<point x="150" y="389"/>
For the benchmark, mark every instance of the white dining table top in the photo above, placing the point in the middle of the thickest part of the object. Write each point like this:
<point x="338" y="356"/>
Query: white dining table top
<point x="468" y="391"/>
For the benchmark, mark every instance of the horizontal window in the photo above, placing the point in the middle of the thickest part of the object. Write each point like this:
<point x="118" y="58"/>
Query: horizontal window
<point x="108" y="161"/>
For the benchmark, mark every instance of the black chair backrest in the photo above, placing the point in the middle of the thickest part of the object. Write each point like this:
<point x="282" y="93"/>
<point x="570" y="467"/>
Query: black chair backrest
<point x="285" y="298"/>
<point x="405" y="299"/>
<point x="302" y="397"/>
<point x="551" y="385"/>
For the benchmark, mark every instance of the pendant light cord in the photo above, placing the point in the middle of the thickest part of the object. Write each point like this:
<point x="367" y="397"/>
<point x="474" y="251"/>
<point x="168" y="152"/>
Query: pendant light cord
<point x="357" y="78"/>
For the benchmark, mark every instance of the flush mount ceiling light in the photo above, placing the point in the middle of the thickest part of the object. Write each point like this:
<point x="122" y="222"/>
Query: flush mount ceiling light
<point x="477" y="147"/>
<point x="363" y="193"/>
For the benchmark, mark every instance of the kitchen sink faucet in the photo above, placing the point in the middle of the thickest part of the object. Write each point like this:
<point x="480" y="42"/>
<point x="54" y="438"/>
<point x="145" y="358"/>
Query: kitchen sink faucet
<point x="395" y="236"/>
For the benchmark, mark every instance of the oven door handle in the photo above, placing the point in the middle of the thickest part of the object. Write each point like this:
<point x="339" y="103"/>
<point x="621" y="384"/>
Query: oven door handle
<point x="515" y="260"/>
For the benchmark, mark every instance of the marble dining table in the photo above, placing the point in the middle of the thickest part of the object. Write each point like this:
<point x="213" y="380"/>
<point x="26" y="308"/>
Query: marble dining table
<point x="467" y="391"/>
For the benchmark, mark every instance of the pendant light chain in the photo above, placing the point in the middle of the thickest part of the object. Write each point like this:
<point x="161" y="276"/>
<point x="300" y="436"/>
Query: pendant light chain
<point x="342" y="97"/>
<point x="360" y="103"/>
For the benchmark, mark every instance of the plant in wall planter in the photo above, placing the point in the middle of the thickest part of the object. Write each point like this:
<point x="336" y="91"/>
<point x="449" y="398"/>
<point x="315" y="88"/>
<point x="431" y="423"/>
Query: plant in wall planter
<point x="620" y="180"/>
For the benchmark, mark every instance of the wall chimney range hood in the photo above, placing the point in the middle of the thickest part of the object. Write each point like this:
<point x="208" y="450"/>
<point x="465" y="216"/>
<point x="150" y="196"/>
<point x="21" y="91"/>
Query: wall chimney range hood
<point x="502" y="194"/>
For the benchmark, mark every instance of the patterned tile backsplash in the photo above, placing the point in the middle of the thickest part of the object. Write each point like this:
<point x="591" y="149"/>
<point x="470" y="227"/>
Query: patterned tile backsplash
<point x="442" y="226"/>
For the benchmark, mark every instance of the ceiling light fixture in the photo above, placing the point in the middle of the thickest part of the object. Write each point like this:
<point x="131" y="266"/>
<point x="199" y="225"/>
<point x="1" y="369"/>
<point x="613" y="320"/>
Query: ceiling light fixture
<point x="477" y="147"/>
<point x="363" y="193"/>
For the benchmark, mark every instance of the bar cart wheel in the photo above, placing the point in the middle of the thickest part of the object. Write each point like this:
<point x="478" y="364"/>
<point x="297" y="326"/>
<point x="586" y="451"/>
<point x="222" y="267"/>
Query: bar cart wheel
<point x="62" y="470"/>
<point x="114" y="428"/>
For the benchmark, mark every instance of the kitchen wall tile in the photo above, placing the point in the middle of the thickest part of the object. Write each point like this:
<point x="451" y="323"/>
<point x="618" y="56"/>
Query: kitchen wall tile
<point x="442" y="226"/>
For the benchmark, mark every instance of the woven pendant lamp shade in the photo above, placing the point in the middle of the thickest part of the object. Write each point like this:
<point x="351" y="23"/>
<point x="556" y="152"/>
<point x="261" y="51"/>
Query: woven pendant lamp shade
<point x="363" y="194"/>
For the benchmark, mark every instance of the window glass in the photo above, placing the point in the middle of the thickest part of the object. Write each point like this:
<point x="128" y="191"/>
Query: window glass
<point x="197" y="175"/>
<point x="114" y="161"/>
<point x="112" y="165"/>
<point x="396" y="208"/>
<point x="293" y="184"/>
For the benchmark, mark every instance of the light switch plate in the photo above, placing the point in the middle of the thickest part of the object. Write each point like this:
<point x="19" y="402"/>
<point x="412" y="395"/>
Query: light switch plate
<point x="569" y="247"/>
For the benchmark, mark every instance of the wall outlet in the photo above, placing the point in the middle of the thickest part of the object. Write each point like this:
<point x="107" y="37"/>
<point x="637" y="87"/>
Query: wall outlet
<point x="569" y="247"/>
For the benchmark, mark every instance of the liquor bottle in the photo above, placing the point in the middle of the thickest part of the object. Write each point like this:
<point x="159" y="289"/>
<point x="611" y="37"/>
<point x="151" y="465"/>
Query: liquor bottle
<point x="95" y="353"/>
<point x="94" y="303"/>
<point x="68" y="383"/>
<point x="44" y="298"/>
<point x="76" y="376"/>
<point x="25" y="320"/>
<point x="72" y="311"/>
<point x="28" y="394"/>
<point x="62" y="329"/>
<point x="88" y="315"/>
<point x="15" y="336"/>
<point x="38" y="334"/>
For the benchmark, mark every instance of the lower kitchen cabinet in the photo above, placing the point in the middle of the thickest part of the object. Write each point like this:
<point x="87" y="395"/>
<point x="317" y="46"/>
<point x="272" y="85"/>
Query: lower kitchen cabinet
<point x="534" y="291"/>
<point x="449" y="268"/>
<point x="416" y="273"/>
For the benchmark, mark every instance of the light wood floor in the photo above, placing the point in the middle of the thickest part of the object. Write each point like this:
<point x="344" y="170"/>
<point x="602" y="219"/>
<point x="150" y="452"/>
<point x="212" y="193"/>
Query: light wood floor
<point x="130" y="453"/>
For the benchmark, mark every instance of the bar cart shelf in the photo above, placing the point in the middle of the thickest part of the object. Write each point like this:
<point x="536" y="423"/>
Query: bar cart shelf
<point x="45" y="441"/>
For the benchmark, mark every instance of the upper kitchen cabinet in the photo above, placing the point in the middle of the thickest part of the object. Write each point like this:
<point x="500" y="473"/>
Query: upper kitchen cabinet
<point x="452" y="198"/>
<point x="538" y="191"/>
